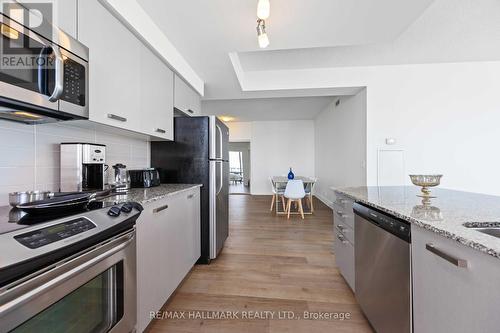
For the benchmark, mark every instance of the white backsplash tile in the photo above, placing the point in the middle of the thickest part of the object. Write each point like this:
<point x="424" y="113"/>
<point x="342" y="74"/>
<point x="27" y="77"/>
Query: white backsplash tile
<point x="20" y="175"/>
<point x="29" y="155"/>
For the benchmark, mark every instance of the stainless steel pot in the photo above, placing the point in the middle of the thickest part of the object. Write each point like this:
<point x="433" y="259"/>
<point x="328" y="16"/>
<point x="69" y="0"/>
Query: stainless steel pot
<point x="18" y="198"/>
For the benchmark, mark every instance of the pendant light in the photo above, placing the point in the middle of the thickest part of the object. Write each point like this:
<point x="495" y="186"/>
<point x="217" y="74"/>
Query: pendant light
<point x="263" y="9"/>
<point x="261" y="34"/>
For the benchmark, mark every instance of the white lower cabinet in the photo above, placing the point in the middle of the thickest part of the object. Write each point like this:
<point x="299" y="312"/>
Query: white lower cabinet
<point x="343" y="244"/>
<point x="344" y="257"/>
<point x="450" y="298"/>
<point x="168" y="245"/>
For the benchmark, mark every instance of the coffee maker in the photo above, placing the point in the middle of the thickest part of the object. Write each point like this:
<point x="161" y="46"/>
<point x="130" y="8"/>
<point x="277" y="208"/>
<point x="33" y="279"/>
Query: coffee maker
<point x="83" y="167"/>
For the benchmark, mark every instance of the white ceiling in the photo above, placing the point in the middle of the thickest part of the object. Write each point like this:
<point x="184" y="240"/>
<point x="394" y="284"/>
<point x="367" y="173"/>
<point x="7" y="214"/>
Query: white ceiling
<point x="290" y="108"/>
<point x="206" y="31"/>
<point x="442" y="34"/>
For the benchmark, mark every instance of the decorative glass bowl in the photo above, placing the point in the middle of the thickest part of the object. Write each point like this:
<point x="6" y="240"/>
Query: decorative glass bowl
<point x="426" y="181"/>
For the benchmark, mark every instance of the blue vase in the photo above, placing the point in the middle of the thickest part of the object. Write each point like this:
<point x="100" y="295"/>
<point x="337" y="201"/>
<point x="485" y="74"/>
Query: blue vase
<point x="291" y="175"/>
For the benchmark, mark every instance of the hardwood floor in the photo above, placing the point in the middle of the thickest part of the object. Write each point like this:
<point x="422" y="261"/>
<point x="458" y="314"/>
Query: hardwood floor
<point x="272" y="267"/>
<point x="239" y="188"/>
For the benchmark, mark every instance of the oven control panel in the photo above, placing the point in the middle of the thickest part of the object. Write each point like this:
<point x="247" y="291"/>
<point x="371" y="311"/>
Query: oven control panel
<point x="37" y="238"/>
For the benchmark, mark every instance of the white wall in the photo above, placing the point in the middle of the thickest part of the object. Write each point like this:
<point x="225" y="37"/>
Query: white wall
<point x="278" y="145"/>
<point x="444" y="116"/>
<point x="240" y="131"/>
<point x="29" y="155"/>
<point x="340" y="146"/>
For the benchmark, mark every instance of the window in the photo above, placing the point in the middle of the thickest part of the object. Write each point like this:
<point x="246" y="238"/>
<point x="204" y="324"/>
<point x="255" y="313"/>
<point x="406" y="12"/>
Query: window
<point x="235" y="163"/>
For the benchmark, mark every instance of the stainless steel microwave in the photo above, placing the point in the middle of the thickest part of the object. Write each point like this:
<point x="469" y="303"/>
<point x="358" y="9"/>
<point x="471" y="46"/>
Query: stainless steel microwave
<point x="43" y="77"/>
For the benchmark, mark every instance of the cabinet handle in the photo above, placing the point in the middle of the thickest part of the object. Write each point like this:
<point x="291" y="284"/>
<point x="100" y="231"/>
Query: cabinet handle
<point x="159" y="209"/>
<point x="190" y="111"/>
<point x="341" y="228"/>
<point x="115" y="117"/>
<point x="190" y="196"/>
<point x="455" y="261"/>
<point x="341" y="214"/>
<point x="341" y="239"/>
<point x="340" y="202"/>
<point x="160" y="130"/>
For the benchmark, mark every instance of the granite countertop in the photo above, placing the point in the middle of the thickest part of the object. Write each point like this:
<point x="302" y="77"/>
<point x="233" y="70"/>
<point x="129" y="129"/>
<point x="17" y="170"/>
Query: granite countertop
<point x="152" y="194"/>
<point x="13" y="219"/>
<point x="445" y="215"/>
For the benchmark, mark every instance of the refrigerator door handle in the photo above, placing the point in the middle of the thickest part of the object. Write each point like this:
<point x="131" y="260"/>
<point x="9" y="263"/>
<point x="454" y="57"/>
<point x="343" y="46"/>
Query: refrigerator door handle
<point x="221" y="178"/>
<point x="220" y="142"/>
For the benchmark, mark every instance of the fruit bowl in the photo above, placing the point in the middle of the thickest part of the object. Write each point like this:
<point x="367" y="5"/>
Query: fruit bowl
<point x="426" y="181"/>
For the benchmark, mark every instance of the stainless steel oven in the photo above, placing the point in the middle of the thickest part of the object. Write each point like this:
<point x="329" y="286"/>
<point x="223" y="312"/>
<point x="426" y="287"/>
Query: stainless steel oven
<point x="95" y="292"/>
<point x="43" y="78"/>
<point x="78" y="275"/>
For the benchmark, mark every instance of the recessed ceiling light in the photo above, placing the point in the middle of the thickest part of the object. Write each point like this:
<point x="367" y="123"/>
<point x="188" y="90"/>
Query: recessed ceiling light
<point x="226" y="118"/>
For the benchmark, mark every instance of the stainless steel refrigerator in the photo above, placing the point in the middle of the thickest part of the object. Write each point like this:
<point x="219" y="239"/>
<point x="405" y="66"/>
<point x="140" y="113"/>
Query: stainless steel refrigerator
<point x="199" y="155"/>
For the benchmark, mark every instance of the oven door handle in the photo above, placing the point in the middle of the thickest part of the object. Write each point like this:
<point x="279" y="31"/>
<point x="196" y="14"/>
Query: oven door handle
<point x="56" y="277"/>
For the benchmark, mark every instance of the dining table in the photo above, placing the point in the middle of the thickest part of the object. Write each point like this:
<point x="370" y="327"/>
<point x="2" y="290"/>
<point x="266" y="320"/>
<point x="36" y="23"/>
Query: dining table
<point x="281" y="181"/>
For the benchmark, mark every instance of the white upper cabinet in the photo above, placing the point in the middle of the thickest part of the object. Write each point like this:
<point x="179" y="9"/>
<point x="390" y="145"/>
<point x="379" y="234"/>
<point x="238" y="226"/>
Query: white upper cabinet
<point x="66" y="11"/>
<point x="114" y="76"/>
<point x="129" y="86"/>
<point x="185" y="98"/>
<point x="157" y="96"/>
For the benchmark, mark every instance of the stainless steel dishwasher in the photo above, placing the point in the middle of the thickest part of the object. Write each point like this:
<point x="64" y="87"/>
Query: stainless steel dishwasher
<point x="382" y="269"/>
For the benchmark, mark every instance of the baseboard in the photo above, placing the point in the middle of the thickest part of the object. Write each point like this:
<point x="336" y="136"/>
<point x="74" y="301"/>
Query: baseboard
<point x="324" y="200"/>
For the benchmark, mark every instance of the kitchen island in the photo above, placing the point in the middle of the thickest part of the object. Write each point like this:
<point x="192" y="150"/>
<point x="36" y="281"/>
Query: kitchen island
<point x="455" y="268"/>
<point x="448" y="214"/>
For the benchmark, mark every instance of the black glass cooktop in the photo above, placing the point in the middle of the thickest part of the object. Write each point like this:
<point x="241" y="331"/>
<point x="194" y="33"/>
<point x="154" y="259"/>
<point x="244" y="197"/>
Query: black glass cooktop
<point x="14" y="219"/>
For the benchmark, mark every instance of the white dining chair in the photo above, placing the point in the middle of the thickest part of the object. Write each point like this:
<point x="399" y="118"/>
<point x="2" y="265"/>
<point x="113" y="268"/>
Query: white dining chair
<point x="278" y="191"/>
<point x="309" y="192"/>
<point x="295" y="192"/>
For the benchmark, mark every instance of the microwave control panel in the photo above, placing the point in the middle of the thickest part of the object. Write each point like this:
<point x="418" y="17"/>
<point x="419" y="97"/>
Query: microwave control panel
<point x="74" y="82"/>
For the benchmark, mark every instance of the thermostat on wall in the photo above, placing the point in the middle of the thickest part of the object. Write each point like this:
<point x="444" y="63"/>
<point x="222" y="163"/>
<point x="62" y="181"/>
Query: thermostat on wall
<point x="390" y="141"/>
